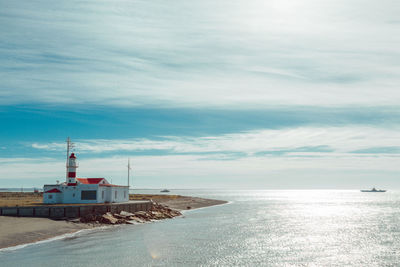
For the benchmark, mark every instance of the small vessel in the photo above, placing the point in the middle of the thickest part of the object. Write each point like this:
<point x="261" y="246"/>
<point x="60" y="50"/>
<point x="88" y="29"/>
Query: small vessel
<point x="164" y="191"/>
<point x="374" y="190"/>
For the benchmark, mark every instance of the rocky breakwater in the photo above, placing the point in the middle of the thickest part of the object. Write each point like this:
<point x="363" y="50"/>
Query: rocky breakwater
<point x="157" y="212"/>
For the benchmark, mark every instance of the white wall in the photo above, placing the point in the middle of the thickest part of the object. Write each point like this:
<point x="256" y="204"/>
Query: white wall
<point x="52" y="198"/>
<point x="107" y="193"/>
<point x="119" y="194"/>
<point x="72" y="194"/>
<point x="55" y="197"/>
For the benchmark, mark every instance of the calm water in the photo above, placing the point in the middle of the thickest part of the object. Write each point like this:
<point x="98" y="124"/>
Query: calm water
<point x="268" y="228"/>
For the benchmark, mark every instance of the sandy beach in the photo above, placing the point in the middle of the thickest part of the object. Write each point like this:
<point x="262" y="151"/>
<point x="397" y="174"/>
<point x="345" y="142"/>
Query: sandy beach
<point x="22" y="230"/>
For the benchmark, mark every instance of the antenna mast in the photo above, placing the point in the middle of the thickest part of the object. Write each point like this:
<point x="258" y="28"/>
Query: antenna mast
<point x="129" y="168"/>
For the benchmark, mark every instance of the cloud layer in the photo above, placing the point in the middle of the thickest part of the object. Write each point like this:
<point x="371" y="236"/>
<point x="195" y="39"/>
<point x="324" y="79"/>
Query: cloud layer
<point x="202" y="93"/>
<point x="305" y="157"/>
<point x="190" y="53"/>
<point x="301" y="141"/>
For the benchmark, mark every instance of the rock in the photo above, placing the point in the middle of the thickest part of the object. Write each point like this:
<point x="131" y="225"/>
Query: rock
<point x="140" y="213"/>
<point x="157" y="215"/>
<point x="157" y="212"/>
<point x="125" y="213"/>
<point x="121" y="221"/>
<point x="108" y="218"/>
<point x="137" y="219"/>
<point x="188" y="207"/>
<point x="143" y="215"/>
<point x="122" y="217"/>
<point x="118" y="216"/>
<point x="160" y="215"/>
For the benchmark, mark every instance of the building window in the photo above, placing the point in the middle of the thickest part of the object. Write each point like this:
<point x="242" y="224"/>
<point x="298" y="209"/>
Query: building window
<point x="102" y="194"/>
<point x="124" y="194"/>
<point x="115" y="194"/>
<point x="50" y="196"/>
<point x="88" y="195"/>
<point x="73" y="195"/>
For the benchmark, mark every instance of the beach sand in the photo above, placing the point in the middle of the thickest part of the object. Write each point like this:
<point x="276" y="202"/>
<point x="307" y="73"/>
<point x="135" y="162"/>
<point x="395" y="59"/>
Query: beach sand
<point x="22" y="230"/>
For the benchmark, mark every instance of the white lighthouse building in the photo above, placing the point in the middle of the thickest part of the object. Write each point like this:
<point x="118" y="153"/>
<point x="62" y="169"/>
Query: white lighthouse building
<point x="83" y="190"/>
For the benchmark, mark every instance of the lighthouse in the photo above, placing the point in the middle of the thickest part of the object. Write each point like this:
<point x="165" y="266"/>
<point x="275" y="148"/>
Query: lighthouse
<point x="71" y="170"/>
<point x="83" y="190"/>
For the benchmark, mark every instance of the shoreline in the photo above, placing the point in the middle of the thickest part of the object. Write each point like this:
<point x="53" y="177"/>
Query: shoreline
<point x="53" y="238"/>
<point x="184" y="203"/>
<point x="16" y="231"/>
<point x="20" y="231"/>
<point x="200" y="208"/>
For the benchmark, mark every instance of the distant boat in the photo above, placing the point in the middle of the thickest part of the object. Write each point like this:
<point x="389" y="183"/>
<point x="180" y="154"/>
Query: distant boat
<point x="374" y="190"/>
<point x="164" y="191"/>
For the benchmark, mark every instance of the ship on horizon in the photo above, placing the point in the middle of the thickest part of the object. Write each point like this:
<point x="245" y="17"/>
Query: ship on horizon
<point x="374" y="190"/>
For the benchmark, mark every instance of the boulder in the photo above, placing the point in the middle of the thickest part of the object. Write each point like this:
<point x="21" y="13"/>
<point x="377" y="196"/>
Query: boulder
<point x="158" y="215"/>
<point x="118" y="216"/>
<point x="125" y="214"/>
<point x="137" y="219"/>
<point x="157" y="212"/>
<point x="108" y="218"/>
<point x="143" y="215"/>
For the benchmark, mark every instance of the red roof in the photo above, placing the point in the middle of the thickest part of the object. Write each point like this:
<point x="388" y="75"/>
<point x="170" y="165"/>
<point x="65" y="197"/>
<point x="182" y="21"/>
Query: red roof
<point x="54" y="190"/>
<point x="90" y="180"/>
<point x="97" y="181"/>
<point x="113" y="185"/>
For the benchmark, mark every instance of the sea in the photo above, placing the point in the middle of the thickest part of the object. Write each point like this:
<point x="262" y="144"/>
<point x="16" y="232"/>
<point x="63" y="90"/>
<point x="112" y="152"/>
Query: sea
<point x="256" y="228"/>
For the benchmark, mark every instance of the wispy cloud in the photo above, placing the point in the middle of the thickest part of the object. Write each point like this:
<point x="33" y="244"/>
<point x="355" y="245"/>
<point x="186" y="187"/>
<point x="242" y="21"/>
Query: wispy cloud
<point x="378" y="150"/>
<point x="294" y="141"/>
<point x="125" y="53"/>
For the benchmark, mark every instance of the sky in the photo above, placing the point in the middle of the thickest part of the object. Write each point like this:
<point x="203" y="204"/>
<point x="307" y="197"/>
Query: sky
<point x="271" y="94"/>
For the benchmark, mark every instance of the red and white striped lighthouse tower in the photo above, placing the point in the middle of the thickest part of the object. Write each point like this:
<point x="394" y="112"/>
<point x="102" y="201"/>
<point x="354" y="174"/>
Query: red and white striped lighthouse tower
<point x="71" y="169"/>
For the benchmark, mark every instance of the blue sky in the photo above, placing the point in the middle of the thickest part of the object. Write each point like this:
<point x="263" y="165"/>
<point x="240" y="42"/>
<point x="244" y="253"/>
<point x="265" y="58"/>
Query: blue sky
<point x="202" y="94"/>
